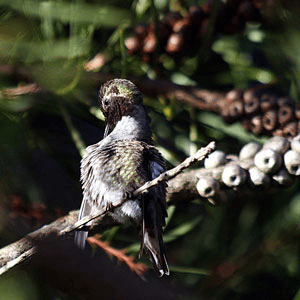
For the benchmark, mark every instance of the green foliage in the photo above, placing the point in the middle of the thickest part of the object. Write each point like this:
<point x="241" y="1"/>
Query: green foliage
<point x="20" y="285"/>
<point x="49" y="42"/>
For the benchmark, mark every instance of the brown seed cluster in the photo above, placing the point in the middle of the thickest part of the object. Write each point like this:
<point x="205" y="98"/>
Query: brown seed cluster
<point x="260" y="112"/>
<point x="182" y="36"/>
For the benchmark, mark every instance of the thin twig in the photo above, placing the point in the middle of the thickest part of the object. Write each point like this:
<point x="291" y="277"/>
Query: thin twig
<point x="138" y="268"/>
<point x="198" y="156"/>
<point x="21" y="90"/>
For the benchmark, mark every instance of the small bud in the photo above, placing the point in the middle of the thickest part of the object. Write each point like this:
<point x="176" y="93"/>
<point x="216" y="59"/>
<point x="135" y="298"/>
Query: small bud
<point x="258" y="177"/>
<point x="233" y="175"/>
<point x="283" y="177"/>
<point x="268" y="160"/>
<point x="277" y="143"/>
<point x="208" y="187"/>
<point x="232" y="157"/>
<point x="249" y="150"/>
<point x="295" y="143"/>
<point x="220" y="197"/>
<point x="215" y="159"/>
<point x="292" y="162"/>
<point x="246" y="164"/>
<point x="216" y="173"/>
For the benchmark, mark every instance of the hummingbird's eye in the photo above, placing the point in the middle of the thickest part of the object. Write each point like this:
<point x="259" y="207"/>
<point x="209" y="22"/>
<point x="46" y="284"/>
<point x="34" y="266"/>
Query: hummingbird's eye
<point x="105" y="102"/>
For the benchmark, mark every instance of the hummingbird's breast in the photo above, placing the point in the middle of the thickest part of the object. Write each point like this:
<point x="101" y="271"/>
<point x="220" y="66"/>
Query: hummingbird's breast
<point x="110" y="172"/>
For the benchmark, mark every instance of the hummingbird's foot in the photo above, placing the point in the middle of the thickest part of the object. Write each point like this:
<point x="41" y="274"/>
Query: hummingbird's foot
<point x="83" y="228"/>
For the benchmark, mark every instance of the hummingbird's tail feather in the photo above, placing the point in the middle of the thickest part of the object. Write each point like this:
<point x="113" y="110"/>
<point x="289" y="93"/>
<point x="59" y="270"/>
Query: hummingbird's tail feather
<point x="80" y="238"/>
<point x="154" y="248"/>
<point x="153" y="220"/>
<point x="81" y="235"/>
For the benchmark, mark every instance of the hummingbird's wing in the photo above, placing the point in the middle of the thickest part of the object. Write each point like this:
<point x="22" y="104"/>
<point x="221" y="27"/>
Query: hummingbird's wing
<point x="87" y="174"/>
<point x="105" y="171"/>
<point x="94" y="187"/>
<point x="154" y="212"/>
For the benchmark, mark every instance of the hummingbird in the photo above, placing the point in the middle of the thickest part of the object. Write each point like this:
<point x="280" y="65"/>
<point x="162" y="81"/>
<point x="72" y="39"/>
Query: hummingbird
<point x="121" y="162"/>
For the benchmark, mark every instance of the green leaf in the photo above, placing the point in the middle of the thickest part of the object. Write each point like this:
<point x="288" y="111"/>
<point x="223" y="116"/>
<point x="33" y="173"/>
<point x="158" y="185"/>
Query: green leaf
<point x="188" y="270"/>
<point x="101" y="15"/>
<point x="297" y="297"/>
<point x="181" y="230"/>
<point x="234" y="130"/>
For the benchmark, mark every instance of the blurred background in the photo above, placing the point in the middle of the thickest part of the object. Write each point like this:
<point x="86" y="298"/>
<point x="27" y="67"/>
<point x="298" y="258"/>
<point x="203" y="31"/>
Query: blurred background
<point x="54" y="55"/>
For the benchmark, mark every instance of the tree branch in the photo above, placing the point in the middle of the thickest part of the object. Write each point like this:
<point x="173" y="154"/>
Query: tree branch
<point x="189" y="95"/>
<point x="21" y="250"/>
<point x="198" y="156"/>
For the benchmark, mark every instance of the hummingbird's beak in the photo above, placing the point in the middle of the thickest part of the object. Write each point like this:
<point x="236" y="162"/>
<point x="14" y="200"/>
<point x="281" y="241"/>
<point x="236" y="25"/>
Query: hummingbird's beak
<point x="106" y="131"/>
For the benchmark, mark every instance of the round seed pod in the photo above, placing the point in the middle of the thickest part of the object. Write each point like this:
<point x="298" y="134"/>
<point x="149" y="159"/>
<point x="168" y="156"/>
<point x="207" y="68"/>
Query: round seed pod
<point x="233" y="175"/>
<point x="249" y="150"/>
<point x="278" y="143"/>
<point x="172" y="17"/>
<point x="251" y="102"/>
<point x="284" y="101"/>
<point x="297" y="113"/>
<point x="175" y="43"/>
<point x="225" y="114"/>
<point x="133" y="45"/>
<point x="292" y="162"/>
<point x="215" y="159"/>
<point x="283" y="177"/>
<point x="233" y="96"/>
<point x="246" y="123"/>
<point x="258" y="177"/>
<point x="150" y="43"/>
<point x="269" y="120"/>
<point x="207" y="187"/>
<point x="236" y="109"/>
<point x="256" y="125"/>
<point x="278" y="132"/>
<point x="267" y="102"/>
<point x="285" y="114"/>
<point x="141" y="30"/>
<point x="295" y="143"/>
<point x="290" y="130"/>
<point x="268" y="160"/>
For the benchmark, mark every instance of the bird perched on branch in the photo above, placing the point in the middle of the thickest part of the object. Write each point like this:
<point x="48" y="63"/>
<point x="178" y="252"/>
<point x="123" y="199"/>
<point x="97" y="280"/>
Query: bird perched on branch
<point x="124" y="160"/>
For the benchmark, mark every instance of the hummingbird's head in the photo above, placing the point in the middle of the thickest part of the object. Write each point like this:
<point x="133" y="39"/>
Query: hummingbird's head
<point x="117" y="98"/>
